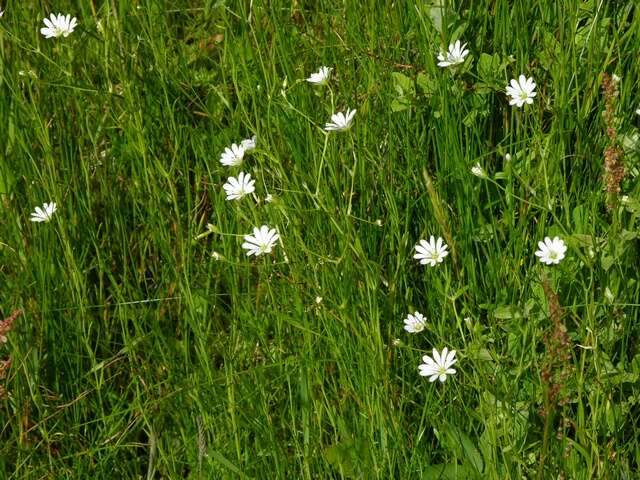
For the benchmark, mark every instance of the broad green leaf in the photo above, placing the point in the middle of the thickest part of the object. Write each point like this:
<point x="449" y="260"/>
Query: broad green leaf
<point x="426" y="84"/>
<point x="488" y="67"/>
<point x="436" y="12"/>
<point x="350" y="456"/>
<point x="403" y="84"/>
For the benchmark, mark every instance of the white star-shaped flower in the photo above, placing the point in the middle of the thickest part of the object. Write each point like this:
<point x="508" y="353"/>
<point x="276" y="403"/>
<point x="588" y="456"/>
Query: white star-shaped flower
<point x="232" y="156"/>
<point x="551" y="251"/>
<point x="262" y="241"/>
<point x="431" y="252"/>
<point x="415" y="323"/>
<point x="454" y="56"/>
<point x="439" y="366"/>
<point x="43" y="214"/>
<point x="321" y="77"/>
<point x="521" y="91"/>
<point x="236" y="188"/>
<point x="478" y="171"/>
<point x="58" y="26"/>
<point x="249" y="144"/>
<point x="340" y="121"/>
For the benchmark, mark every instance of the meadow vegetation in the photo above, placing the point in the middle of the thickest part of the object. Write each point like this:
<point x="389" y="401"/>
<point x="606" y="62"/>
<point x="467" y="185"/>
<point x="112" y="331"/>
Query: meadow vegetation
<point x="141" y="341"/>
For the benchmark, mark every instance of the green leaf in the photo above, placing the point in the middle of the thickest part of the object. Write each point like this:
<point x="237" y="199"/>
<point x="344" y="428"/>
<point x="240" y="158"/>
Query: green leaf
<point x="426" y="84"/>
<point x="6" y="182"/>
<point x="405" y="89"/>
<point x="460" y="445"/>
<point x="488" y="67"/>
<point x="471" y="453"/>
<point x="505" y="312"/>
<point x="350" y="456"/>
<point x="403" y="84"/>
<point x="218" y="457"/>
<point x="436" y="12"/>
<point x="399" y="104"/>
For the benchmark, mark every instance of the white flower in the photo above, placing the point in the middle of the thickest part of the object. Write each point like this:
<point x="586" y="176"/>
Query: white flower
<point x="43" y="214"/>
<point x="521" y="91"/>
<point x="59" y="25"/>
<point x="415" y="323"/>
<point x="237" y="188"/>
<point x="439" y="366"/>
<point x="551" y="251"/>
<point x="478" y="171"/>
<point x="262" y="240"/>
<point x="249" y="143"/>
<point x="638" y="111"/>
<point x="454" y="56"/>
<point x="340" y="121"/>
<point x="608" y="294"/>
<point x="29" y="72"/>
<point x="268" y="198"/>
<point x="1" y="13"/>
<point x="321" y="77"/>
<point x="507" y="157"/>
<point x="431" y="252"/>
<point x="232" y="156"/>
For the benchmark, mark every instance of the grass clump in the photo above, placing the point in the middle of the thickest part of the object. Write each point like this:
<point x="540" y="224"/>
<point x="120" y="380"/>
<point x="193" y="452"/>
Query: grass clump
<point x="150" y="344"/>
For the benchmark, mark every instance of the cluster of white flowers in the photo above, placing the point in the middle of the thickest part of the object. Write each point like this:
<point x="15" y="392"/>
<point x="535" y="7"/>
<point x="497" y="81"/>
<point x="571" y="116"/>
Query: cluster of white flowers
<point x="263" y="239"/>
<point x="521" y="90"/>
<point x="233" y="155"/>
<point x="55" y="26"/>
<point x="432" y="253"/>
<point x="339" y="121"/>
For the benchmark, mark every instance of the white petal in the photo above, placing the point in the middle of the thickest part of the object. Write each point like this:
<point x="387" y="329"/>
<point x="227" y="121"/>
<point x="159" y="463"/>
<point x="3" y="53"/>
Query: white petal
<point x="436" y="357"/>
<point x="450" y="360"/>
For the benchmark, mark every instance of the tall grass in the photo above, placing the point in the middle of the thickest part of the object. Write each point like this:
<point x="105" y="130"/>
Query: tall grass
<point x="151" y="346"/>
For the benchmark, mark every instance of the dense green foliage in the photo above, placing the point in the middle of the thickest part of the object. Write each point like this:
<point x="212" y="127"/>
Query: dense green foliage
<point x="142" y="354"/>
